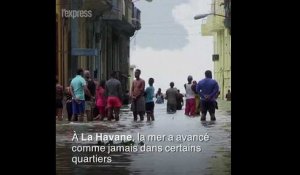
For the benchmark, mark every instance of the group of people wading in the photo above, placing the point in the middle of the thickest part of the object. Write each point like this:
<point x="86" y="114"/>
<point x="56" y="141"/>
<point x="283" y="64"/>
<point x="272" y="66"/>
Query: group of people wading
<point x="96" y="101"/>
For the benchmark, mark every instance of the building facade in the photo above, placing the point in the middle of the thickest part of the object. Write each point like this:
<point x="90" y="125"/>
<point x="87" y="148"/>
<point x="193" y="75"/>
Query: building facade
<point x="218" y="25"/>
<point x="99" y="42"/>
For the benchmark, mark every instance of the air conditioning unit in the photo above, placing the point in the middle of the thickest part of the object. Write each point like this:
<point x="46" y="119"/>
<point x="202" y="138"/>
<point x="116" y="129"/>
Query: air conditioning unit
<point x="215" y="57"/>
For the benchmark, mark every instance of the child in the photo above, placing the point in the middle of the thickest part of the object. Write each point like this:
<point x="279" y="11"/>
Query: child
<point x="149" y="100"/>
<point x="159" y="97"/>
<point x="100" y="100"/>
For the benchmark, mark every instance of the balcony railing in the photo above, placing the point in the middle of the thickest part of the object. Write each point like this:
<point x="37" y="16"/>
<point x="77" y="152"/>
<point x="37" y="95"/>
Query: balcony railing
<point x="124" y="13"/>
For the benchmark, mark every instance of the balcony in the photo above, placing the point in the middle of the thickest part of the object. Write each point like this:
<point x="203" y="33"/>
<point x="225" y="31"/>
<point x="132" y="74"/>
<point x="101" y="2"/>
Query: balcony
<point x="133" y="16"/>
<point x="116" y="11"/>
<point x="215" y="19"/>
<point x="213" y="24"/>
<point x="97" y="7"/>
<point x="123" y="16"/>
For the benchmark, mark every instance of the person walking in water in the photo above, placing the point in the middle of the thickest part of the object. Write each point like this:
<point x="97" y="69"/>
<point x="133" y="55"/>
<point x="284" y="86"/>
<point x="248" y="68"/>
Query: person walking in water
<point x="179" y="100"/>
<point x="89" y="100"/>
<point x="171" y="97"/>
<point x="69" y="101"/>
<point x="208" y="90"/>
<point x="190" y="103"/>
<point x="149" y="100"/>
<point x="78" y="90"/>
<point x="228" y="95"/>
<point x="113" y="91"/>
<point x="137" y="96"/>
<point x="159" y="97"/>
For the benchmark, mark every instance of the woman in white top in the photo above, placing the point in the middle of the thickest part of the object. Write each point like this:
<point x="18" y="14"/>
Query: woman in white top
<point x="190" y="97"/>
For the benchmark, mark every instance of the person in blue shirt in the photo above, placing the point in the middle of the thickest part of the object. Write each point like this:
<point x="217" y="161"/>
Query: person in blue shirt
<point x="149" y="100"/>
<point x="208" y="90"/>
<point x="78" y="90"/>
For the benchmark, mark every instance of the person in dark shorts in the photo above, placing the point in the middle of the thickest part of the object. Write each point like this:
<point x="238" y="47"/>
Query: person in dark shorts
<point x="149" y="100"/>
<point x="208" y="90"/>
<point x="137" y="96"/>
<point x="78" y="89"/>
<point x="59" y="99"/>
<point x="171" y="95"/>
<point x="216" y="102"/>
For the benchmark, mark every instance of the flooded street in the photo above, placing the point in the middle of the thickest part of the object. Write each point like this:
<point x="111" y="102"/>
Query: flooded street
<point x="215" y="157"/>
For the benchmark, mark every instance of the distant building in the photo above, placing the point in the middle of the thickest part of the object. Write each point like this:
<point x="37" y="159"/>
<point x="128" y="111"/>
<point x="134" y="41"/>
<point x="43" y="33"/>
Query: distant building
<point x="218" y="25"/>
<point x="100" y="42"/>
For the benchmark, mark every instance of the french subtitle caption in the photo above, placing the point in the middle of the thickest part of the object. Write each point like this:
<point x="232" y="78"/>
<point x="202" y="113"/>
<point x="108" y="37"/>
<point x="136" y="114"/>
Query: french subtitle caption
<point x="100" y="148"/>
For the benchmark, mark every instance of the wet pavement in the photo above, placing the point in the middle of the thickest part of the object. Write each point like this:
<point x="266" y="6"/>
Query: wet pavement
<point x="214" y="159"/>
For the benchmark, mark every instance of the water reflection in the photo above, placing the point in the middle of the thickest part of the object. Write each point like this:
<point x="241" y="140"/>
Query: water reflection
<point x="148" y="163"/>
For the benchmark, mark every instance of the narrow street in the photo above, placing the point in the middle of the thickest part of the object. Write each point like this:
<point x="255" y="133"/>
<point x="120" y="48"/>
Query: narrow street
<point x="214" y="159"/>
<point x="107" y="49"/>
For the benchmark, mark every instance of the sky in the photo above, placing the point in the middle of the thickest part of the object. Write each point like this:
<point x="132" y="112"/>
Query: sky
<point x="169" y="46"/>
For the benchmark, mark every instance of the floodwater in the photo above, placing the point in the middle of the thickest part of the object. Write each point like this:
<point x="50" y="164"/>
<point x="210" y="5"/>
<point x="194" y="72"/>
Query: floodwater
<point x="214" y="158"/>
